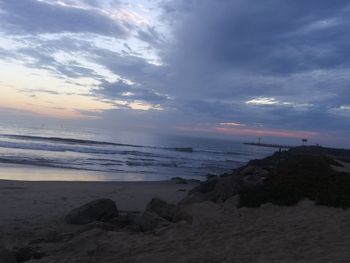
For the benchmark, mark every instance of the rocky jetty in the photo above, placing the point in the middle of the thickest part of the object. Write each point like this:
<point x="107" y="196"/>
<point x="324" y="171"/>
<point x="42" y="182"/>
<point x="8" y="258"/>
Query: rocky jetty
<point x="285" y="178"/>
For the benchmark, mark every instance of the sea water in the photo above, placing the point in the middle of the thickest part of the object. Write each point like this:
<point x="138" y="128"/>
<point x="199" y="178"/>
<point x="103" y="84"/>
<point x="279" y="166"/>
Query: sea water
<point x="62" y="154"/>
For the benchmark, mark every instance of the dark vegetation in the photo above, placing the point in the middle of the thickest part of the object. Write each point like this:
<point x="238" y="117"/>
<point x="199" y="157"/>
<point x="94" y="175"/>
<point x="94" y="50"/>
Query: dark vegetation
<point x="300" y="177"/>
<point x="207" y="186"/>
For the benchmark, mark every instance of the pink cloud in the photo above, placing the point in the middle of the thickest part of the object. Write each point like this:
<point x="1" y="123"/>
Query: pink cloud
<point x="266" y="132"/>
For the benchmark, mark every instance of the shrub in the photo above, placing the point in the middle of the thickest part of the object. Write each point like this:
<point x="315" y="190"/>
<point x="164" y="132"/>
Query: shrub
<point x="299" y="177"/>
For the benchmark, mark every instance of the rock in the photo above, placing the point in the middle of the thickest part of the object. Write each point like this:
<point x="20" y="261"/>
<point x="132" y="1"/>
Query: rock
<point x="97" y="225"/>
<point x="6" y="256"/>
<point x="207" y="186"/>
<point x="162" y="209"/>
<point x="98" y="210"/>
<point x="253" y="181"/>
<point x="225" y="188"/>
<point x="148" y="221"/>
<point x="221" y="189"/>
<point x="253" y="177"/>
<point x="183" y="213"/>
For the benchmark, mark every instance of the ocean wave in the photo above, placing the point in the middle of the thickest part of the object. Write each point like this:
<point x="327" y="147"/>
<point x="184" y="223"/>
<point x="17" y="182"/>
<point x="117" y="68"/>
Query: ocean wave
<point x="50" y="163"/>
<point x="220" y="152"/>
<point x="55" y="148"/>
<point x="104" y="160"/>
<point x="71" y="141"/>
<point x="58" y="139"/>
<point x="40" y="162"/>
<point x="151" y="164"/>
<point x="76" y="149"/>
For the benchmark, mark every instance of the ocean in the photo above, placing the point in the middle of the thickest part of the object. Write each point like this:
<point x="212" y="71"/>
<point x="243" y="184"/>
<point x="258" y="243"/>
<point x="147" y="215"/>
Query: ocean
<point x="62" y="154"/>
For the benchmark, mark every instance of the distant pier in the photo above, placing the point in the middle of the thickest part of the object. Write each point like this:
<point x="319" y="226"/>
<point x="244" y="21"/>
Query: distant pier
<point x="269" y="145"/>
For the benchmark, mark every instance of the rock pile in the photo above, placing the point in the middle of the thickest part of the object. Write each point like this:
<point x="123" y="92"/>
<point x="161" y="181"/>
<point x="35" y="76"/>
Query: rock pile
<point x="97" y="210"/>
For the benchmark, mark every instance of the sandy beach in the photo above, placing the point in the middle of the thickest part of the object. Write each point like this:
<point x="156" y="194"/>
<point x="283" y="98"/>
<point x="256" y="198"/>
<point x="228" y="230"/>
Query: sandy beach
<point x="220" y="233"/>
<point x="30" y="209"/>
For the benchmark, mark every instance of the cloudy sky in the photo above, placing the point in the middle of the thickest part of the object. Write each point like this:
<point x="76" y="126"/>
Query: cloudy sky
<point x="273" y="68"/>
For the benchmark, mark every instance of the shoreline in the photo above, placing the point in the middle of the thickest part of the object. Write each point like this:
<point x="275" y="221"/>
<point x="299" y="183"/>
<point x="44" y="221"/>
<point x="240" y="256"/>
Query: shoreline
<point x="92" y="182"/>
<point x="14" y="172"/>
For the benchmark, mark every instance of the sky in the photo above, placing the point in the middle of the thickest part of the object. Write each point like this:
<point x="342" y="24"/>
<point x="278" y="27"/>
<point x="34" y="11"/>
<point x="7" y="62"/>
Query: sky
<point x="235" y="68"/>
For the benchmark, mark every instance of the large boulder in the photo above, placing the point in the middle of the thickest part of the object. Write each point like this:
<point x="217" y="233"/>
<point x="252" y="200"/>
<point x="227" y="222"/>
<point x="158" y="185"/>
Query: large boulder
<point x="170" y="212"/>
<point x="98" y="210"/>
<point x="161" y="208"/>
<point x="217" y="189"/>
<point x="225" y="188"/>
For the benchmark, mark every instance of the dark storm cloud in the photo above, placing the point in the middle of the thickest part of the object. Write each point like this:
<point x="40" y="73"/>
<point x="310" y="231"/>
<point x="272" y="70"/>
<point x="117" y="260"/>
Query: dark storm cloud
<point x="234" y="51"/>
<point x="265" y="38"/>
<point x="151" y="36"/>
<point x="131" y="67"/>
<point x="269" y="36"/>
<point x="35" y="17"/>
